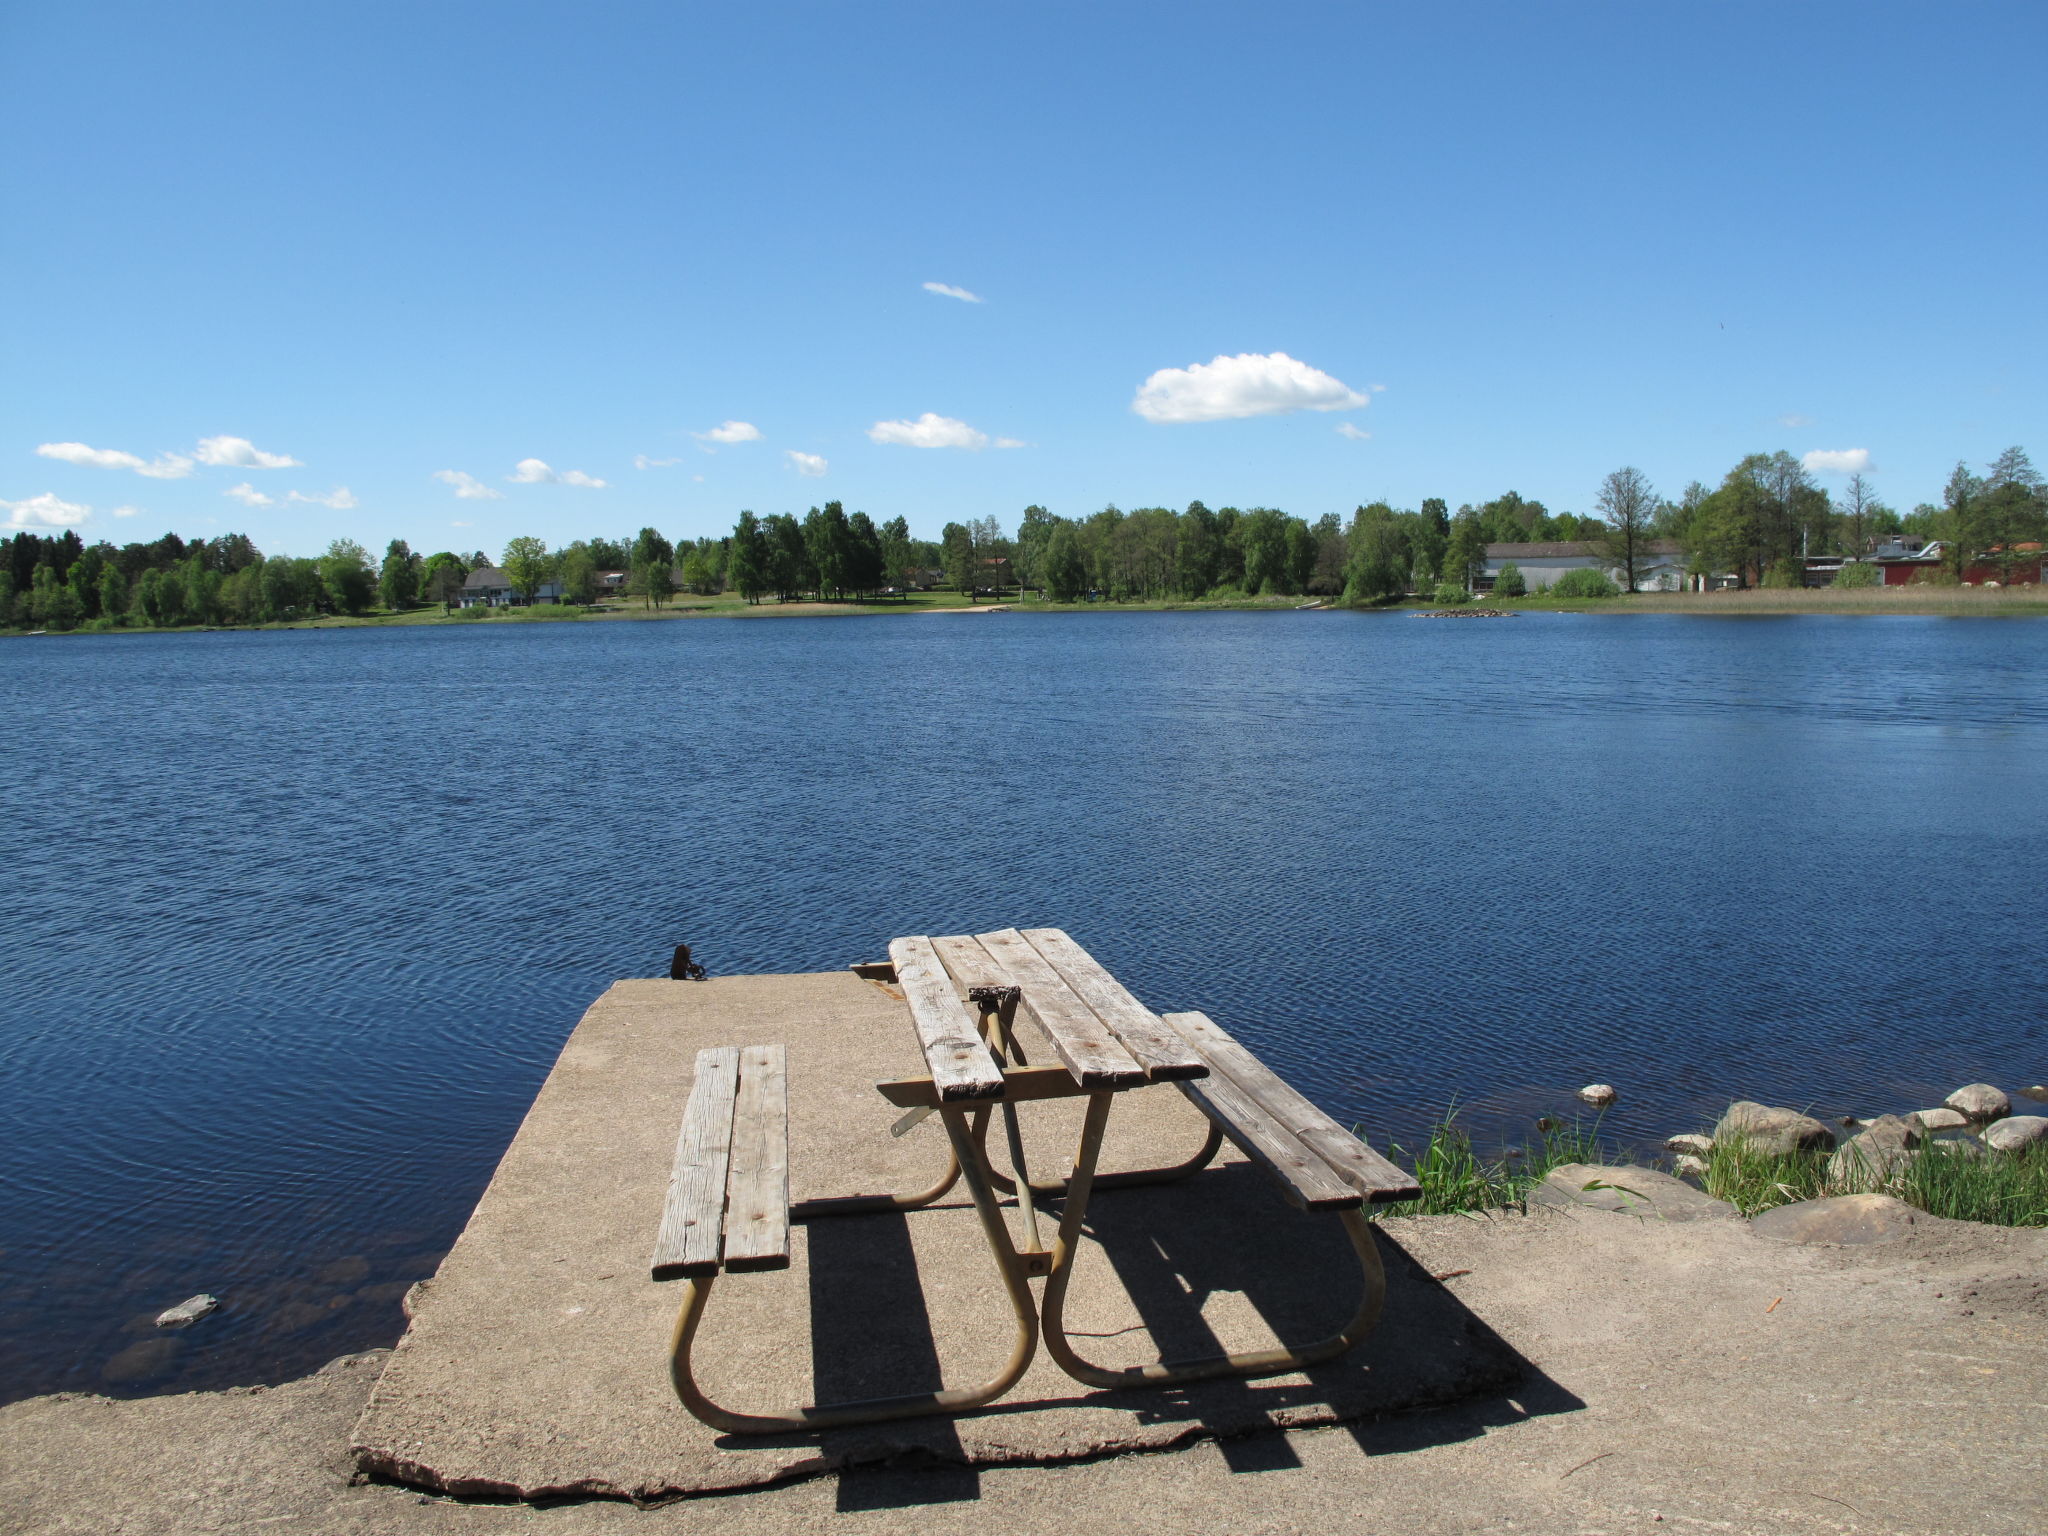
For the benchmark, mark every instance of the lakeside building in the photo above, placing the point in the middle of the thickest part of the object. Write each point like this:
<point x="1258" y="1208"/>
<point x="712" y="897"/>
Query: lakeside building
<point x="1661" y="569"/>
<point x="489" y="587"/>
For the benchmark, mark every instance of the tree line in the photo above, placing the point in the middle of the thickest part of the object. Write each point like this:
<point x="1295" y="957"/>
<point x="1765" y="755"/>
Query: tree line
<point x="1759" y="523"/>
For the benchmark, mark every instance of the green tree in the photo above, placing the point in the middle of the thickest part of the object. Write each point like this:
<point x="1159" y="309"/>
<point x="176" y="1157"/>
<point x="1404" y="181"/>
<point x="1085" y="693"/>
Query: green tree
<point x="398" y="580"/>
<point x="1857" y="573"/>
<point x="828" y="538"/>
<point x="649" y="547"/>
<point x="1465" y="550"/>
<point x="1198" y="556"/>
<point x="345" y="569"/>
<point x="1583" y="582"/>
<point x="1380" y="561"/>
<point x="1066" y="572"/>
<point x="1449" y="594"/>
<point x="526" y="565"/>
<point x="747" y="568"/>
<point x="956" y="543"/>
<point x="867" y="567"/>
<point x="1033" y="532"/>
<point x="1509" y="582"/>
<point x="577" y="572"/>
<point x="442" y="579"/>
<point x="652" y="580"/>
<point x="113" y="591"/>
<point x="790" y="569"/>
<point x="897" y="557"/>
<point x="697" y="576"/>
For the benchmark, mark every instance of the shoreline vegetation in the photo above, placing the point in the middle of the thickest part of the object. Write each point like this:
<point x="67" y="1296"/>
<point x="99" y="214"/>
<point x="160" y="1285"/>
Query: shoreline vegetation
<point x="1920" y="601"/>
<point x="1768" y="539"/>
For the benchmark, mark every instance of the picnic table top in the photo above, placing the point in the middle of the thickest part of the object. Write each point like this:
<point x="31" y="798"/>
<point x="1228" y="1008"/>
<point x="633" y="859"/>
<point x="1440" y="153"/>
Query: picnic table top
<point x="1103" y="1035"/>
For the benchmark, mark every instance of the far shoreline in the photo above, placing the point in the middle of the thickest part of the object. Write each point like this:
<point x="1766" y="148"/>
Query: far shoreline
<point x="1918" y="602"/>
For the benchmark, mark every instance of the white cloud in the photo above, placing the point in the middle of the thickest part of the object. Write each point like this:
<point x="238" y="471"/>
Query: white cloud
<point x="1838" y="461"/>
<point x="249" y="496"/>
<point x="126" y="511"/>
<point x="1352" y="430"/>
<point x="955" y="293"/>
<point x="698" y="478"/>
<point x="1010" y="442"/>
<point x="1250" y="384"/>
<point x="537" y="472"/>
<point x="240" y="453"/>
<point x="1795" y="420"/>
<point x="168" y="466"/>
<point x="929" y="431"/>
<point x="467" y="486"/>
<point x="730" y="432"/>
<point x="642" y="461"/>
<point x="810" y="465"/>
<point x="45" y="511"/>
<point x="459" y="523"/>
<point x="340" y="498"/>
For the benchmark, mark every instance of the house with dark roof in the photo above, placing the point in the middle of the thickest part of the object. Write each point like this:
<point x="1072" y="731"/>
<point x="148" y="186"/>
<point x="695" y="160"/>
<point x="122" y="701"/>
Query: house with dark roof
<point x="1659" y="568"/>
<point x="487" y="587"/>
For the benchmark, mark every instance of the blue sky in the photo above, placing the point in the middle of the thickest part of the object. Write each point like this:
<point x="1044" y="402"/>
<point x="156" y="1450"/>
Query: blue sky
<point x="1505" y="246"/>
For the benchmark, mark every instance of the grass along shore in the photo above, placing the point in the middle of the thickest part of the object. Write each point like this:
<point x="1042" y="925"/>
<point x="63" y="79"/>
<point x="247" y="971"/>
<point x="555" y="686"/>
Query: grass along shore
<point x="1925" y="601"/>
<point x="1950" y="1177"/>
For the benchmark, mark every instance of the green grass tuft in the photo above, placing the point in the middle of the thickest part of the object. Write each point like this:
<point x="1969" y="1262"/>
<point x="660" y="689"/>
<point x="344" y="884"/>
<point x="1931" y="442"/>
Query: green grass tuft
<point x="1456" y="1179"/>
<point x="1956" y="1179"/>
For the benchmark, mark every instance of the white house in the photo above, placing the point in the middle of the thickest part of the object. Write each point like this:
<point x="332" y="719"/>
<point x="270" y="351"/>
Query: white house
<point x="1660" y="567"/>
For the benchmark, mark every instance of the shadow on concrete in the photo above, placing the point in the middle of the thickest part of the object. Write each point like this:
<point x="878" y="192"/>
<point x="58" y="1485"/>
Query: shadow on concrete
<point x="1170" y="1247"/>
<point x="868" y="1311"/>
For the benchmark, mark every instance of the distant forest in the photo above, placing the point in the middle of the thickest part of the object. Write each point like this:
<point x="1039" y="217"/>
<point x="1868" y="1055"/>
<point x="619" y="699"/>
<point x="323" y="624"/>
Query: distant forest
<point x="1758" y="524"/>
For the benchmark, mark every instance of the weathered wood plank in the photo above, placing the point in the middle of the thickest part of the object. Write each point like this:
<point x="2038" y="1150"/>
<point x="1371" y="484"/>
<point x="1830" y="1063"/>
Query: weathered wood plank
<point x="1356" y="1163"/>
<point x="1080" y="1039"/>
<point x="960" y="1063"/>
<point x="757" y="1187"/>
<point x="1163" y="1054"/>
<point x="692" y="1215"/>
<point x="1019" y="1085"/>
<point x="1305" y="1179"/>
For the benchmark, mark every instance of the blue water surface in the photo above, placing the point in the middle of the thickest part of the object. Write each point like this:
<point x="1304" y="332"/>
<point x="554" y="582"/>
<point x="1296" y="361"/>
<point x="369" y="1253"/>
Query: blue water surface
<point x="297" y="921"/>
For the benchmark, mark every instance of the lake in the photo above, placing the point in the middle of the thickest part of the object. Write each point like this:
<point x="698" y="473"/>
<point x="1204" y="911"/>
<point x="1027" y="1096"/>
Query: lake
<point x="298" y="920"/>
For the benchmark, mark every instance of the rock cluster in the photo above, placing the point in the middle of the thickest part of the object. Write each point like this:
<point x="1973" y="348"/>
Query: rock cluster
<point x="1881" y="1149"/>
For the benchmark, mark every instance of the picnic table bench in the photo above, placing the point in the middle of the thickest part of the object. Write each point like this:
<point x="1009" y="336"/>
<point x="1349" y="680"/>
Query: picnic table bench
<point x="728" y="1208"/>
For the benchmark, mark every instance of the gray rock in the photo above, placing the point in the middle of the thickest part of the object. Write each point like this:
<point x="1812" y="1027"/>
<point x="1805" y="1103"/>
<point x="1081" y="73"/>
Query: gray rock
<point x="1877" y="1155"/>
<point x="2038" y="1091"/>
<point x="1640" y="1192"/>
<point x="1698" y="1146"/>
<point x="1980" y="1101"/>
<point x="2009" y="1135"/>
<point x="1940" y="1119"/>
<point x="1768" y="1130"/>
<point x="1685" y="1163"/>
<point x="1601" y="1094"/>
<point x="1841" y="1219"/>
<point x="190" y="1310"/>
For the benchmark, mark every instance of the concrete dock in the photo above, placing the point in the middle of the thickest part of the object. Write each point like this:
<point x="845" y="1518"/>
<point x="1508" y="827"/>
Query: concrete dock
<point x="536" y="1362"/>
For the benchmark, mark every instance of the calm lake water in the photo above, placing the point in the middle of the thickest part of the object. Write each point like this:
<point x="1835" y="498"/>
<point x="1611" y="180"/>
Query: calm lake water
<point x="297" y="921"/>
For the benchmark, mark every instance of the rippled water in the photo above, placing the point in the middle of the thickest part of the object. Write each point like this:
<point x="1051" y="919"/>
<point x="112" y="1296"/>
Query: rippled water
<point x="297" y="921"/>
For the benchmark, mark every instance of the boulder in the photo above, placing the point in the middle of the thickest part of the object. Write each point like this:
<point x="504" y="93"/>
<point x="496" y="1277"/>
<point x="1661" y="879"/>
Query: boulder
<point x="1642" y="1192"/>
<point x="1765" y="1129"/>
<point x="1840" y="1219"/>
<point x="1876" y="1155"/>
<point x="2038" y="1091"/>
<point x="1600" y="1094"/>
<point x="1697" y="1146"/>
<point x="1979" y="1101"/>
<point x="2017" y="1131"/>
<point x="1940" y="1119"/>
<point x="190" y="1310"/>
<point x="1686" y="1165"/>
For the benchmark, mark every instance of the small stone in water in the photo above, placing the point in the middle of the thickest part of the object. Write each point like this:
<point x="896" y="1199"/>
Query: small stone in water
<point x="189" y="1310"/>
<point x="1697" y="1146"/>
<point x="1598" y="1093"/>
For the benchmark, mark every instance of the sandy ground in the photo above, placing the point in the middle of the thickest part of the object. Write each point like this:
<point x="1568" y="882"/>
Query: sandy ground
<point x="1683" y="1377"/>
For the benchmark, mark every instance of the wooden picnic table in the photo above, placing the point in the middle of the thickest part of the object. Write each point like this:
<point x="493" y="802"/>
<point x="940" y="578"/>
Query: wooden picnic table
<point x="729" y="1209"/>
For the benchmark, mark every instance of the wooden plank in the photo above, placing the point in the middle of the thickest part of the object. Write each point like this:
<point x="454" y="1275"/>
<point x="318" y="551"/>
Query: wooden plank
<point x="1163" y="1054"/>
<point x="1080" y="1039"/>
<point x="1305" y="1179"/>
<point x="960" y="1063"/>
<point x="1356" y="1163"/>
<point x="1019" y="1084"/>
<point x="757" y="1188"/>
<point x="693" y="1212"/>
